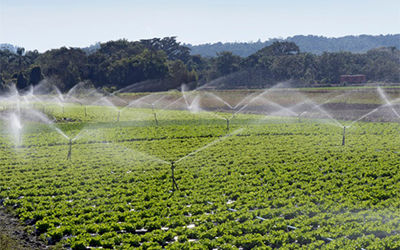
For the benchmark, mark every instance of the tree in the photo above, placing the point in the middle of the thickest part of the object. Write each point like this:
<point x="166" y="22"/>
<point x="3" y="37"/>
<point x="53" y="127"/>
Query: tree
<point x="35" y="75"/>
<point x="170" y="46"/>
<point x="144" y="66"/>
<point x="22" y="83"/>
<point x="179" y="74"/>
<point x="3" y="86"/>
<point x="68" y="65"/>
<point x="227" y="63"/>
<point x="279" y="49"/>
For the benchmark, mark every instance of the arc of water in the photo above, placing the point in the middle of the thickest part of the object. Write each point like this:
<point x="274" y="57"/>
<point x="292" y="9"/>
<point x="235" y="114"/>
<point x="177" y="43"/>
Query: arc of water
<point x="251" y="101"/>
<point x="389" y="103"/>
<point x="106" y="101"/>
<point x="46" y="120"/>
<point x="243" y="100"/>
<point x="210" y="144"/>
<point x="219" y="99"/>
<point x="319" y="108"/>
<point x="281" y="107"/>
<point x="141" y="100"/>
<point x="336" y="122"/>
<point x="189" y="106"/>
<point x="174" y="102"/>
<point x="144" y="155"/>
<point x="184" y="97"/>
<point x="218" y="116"/>
<point x="80" y="86"/>
<point x="59" y="94"/>
<point x="367" y="114"/>
<point x="15" y="127"/>
<point x="194" y="106"/>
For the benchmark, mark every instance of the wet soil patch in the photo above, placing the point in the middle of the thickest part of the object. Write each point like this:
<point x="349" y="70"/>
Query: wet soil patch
<point x="13" y="236"/>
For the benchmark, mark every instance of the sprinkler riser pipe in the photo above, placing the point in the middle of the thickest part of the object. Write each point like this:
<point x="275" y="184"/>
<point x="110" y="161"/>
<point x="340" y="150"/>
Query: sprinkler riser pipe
<point x="155" y="118"/>
<point x="174" y="184"/>
<point x="344" y="136"/>
<point x="69" y="150"/>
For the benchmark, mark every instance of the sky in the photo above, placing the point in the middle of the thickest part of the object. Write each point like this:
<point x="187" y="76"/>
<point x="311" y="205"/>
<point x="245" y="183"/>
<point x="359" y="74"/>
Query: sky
<point x="47" y="24"/>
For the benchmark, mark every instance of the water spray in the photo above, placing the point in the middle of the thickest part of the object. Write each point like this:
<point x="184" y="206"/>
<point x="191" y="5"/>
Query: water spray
<point x="69" y="150"/>
<point x="174" y="184"/>
<point x="299" y="116"/>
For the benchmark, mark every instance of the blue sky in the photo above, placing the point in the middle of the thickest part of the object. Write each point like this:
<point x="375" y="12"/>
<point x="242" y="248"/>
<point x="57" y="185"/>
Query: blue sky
<point x="46" y="24"/>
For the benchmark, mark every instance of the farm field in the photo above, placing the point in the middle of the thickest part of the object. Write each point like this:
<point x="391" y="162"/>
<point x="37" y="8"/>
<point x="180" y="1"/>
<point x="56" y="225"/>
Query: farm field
<point x="274" y="174"/>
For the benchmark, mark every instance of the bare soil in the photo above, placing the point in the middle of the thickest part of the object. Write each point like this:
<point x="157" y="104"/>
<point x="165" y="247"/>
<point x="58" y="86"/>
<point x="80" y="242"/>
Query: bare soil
<point x="14" y="237"/>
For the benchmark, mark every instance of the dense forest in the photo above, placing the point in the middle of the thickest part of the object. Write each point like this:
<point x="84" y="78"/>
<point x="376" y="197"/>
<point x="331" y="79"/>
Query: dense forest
<point x="312" y="44"/>
<point x="163" y="63"/>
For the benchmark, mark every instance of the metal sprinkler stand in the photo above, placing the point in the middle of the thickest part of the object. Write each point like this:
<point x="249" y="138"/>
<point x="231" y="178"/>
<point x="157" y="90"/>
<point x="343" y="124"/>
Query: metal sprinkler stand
<point x="155" y="114"/>
<point x="69" y="150"/>
<point x="227" y="124"/>
<point x="119" y="113"/>
<point x="344" y="136"/>
<point x="174" y="184"/>
<point x="85" y="111"/>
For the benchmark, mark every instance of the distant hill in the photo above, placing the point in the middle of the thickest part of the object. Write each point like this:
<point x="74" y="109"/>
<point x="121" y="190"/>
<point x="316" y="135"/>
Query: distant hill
<point x="312" y="44"/>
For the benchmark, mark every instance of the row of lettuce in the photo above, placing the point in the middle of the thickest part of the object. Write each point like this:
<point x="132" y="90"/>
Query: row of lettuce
<point x="269" y="185"/>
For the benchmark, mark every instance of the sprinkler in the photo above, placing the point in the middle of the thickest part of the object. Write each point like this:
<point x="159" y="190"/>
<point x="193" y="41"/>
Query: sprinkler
<point x="69" y="150"/>
<point x="119" y="113"/>
<point x="63" y="109"/>
<point x="344" y="136"/>
<point x="174" y="184"/>
<point x="299" y="116"/>
<point x="155" y="114"/>
<point x="85" y="111"/>
<point x="227" y="124"/>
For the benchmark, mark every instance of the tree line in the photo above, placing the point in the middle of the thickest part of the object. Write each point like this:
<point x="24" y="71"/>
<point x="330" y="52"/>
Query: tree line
<point x="163" y="63"/>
